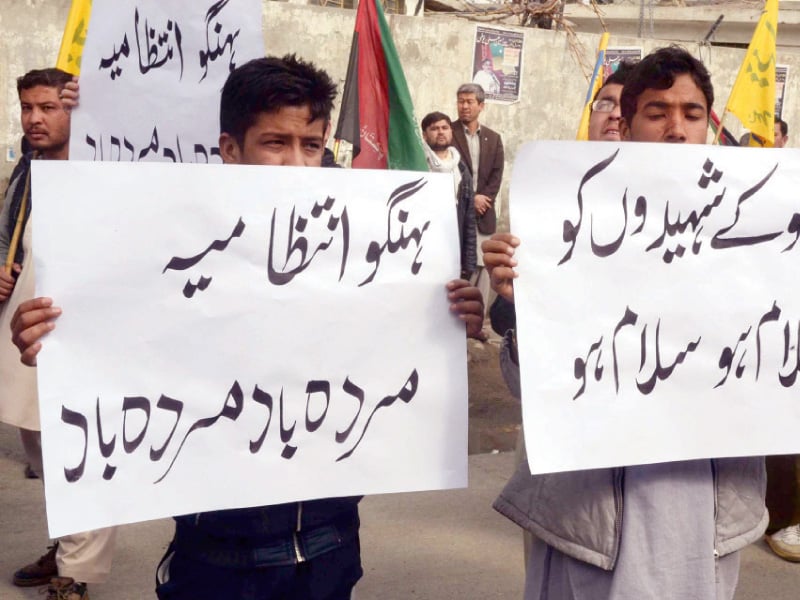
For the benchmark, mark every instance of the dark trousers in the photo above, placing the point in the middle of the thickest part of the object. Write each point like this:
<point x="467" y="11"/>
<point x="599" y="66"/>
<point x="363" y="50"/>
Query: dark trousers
<point x="783" y="491"/>
<point x="330" y="576"/>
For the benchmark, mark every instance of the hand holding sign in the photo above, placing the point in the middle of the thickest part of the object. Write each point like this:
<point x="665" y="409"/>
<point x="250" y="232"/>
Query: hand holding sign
<point x="498" y="256"/>
<point x="32" y="320"/>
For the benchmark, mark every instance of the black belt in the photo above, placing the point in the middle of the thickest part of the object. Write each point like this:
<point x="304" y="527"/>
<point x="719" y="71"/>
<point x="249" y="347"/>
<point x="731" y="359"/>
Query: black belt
<point x="274" y="551"/>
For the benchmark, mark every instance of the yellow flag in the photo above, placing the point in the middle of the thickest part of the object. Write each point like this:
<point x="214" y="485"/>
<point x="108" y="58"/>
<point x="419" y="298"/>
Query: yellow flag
<point x="752" y="98"/>
<point x="594" y="86"/>
<point x="69" y="56"/>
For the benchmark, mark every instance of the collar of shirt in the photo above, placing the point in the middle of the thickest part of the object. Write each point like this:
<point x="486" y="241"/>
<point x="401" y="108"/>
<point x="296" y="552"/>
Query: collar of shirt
<point x="477" y="131"/>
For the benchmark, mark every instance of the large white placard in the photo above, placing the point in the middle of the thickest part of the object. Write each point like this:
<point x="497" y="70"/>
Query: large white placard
<point x="657" y="301"/>
<point x="237" y="336"/>
<point x="151" y="75"/>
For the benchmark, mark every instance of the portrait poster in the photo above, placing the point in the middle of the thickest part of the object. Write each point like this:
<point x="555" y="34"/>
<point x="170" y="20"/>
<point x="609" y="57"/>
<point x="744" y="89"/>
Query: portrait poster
<point x="497" y="63"/>
<point x="781" y="77"/>
<point x="614" y="56"/>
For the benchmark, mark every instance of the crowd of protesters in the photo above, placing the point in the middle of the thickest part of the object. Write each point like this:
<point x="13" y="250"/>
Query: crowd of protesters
<point x="640" y="531"/>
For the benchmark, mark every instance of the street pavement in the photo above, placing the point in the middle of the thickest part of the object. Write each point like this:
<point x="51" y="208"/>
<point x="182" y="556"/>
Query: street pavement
<point x="423" y="546"/>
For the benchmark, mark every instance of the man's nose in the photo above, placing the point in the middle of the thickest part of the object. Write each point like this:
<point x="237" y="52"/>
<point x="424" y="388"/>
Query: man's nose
<point x="293" y="156"/>
<point x="615" y="114"/>
<point x="676" y="129"/>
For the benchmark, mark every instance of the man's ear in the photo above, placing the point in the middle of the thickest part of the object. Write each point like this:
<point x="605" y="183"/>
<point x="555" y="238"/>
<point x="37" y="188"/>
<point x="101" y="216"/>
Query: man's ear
<point x="624" y="130"/>
<point x="229" y="149"/>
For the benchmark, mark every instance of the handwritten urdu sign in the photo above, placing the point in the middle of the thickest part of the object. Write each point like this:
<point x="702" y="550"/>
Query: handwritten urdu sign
<point x="152" y="75"/>
<point x="658" y="302"/>
<point x="237" y="336"/>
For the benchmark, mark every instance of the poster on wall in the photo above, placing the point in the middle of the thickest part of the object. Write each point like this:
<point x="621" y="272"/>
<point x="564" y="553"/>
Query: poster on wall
<point x="781" y="77"/>
<point x="614" y="56"/>
<point x="497" y="63"/>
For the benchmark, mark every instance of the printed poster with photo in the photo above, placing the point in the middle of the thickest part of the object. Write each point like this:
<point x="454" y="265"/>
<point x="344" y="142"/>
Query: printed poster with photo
<point x="781" y="77"/>
<point x="497" y="63"/>
<point x="614" y="56"/>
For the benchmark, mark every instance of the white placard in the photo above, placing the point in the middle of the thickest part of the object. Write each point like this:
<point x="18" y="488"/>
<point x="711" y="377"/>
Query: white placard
<point x="657" y="301"/>
<point x="151" y="76"/>
<point x="238" y="336"/>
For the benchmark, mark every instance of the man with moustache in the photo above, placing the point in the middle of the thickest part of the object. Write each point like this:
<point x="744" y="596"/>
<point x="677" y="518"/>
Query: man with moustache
<point x="443" y="157"/>
<point x="78" y="559"/>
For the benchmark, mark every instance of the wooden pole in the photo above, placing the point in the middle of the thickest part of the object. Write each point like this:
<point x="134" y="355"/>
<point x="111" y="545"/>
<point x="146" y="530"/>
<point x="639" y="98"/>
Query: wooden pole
<point x="719" y="129"/>
<point x="23" y="207"/>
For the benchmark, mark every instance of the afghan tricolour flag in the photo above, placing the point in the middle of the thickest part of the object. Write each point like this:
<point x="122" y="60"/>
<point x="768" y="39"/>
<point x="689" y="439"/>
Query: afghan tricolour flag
<point x="377" y="115"/>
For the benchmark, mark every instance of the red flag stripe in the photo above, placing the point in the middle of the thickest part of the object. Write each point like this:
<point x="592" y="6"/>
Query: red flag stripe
<point x="373" y="91"/>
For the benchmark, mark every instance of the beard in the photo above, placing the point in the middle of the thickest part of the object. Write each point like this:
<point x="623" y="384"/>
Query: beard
<point x="436" y="147"/>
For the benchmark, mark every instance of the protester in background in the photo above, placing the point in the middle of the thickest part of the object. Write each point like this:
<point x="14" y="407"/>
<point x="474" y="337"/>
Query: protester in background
<point x="273" y="111"/>
<point x="606" y="113"/>
<point x="781" y="133"/>
<point x="74" y="560"/>
<point x="669" y="530"/>
<point x="482" y="151"/>
<point x="444" y="158"/>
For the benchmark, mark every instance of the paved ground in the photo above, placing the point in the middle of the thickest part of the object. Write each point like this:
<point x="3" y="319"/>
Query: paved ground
<point x="421" y="546"/>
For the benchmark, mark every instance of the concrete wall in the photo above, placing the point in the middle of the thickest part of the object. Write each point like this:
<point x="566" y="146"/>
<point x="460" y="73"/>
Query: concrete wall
<point x="30" y="35"/>
<point x="436" y="52"/>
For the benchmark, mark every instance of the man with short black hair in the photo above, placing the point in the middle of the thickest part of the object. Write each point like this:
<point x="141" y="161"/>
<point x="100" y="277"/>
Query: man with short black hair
<point x="665" y="530"/>
<point x="45" y="125"/>
<point x="442" y="157"/>
<point x="74" y="560"/>
<point x="668" y="98"/>
<point x="273" y="111"/>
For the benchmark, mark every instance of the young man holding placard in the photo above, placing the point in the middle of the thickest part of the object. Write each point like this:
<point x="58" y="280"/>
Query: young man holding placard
<point x="273" y="111"/>
<point x="668" y="530"/>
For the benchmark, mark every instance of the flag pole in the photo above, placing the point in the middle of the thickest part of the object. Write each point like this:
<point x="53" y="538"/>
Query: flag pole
<point x="23" y="207"/>
<point x="595" y="83"/>
<point x="719" y="129"/>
